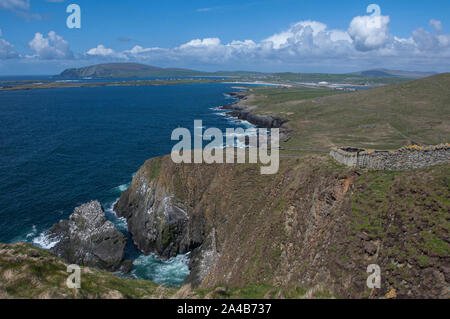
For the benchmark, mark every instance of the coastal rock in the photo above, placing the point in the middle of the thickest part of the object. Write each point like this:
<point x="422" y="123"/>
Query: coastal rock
<point x="242" y="111"/>
<point x="246" y="114"/>
<point x="203" y="260"/>
<point x="158" y="220"/>
<point x="88" y="239"/>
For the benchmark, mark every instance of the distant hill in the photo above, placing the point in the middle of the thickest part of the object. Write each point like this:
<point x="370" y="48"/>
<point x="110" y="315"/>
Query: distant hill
<point x="125" y="70"/>
<point x="137" y="70"/>
<point x="395" y="73"/>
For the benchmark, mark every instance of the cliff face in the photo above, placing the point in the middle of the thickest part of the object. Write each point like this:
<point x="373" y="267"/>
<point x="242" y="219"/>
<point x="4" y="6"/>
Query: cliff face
<point x="314" y="226"/>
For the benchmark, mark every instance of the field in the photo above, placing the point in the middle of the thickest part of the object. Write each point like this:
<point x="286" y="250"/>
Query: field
<point x="416" y="112"/>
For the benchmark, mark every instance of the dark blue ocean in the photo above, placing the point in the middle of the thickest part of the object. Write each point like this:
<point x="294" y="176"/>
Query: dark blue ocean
<point x="60" y="148"/>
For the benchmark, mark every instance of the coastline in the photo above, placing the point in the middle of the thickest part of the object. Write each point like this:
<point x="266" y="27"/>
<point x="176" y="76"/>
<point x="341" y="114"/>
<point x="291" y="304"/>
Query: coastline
<point x="60" y="85"/>
<point x="244" y="112"/>
<point x="280" y="85"/>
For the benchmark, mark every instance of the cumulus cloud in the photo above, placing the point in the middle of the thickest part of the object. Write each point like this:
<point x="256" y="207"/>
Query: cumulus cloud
<point x="100" y="50"/>
<point x="7" y="50"/>
<point x="437" y="25"/>
<point x="204" y="43"/>
<point x="52" y="47"/>
<point x="369" y="32"/>
<point x="305" y="45"/>
<point x="367" y="41"/>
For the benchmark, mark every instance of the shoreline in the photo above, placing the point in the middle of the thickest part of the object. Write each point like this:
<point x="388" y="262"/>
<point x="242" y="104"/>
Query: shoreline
<point x="24" y="86"/>
<point x="62" y="85"/>
<point x="280" y="85"/>
<point x="241" y="111"/>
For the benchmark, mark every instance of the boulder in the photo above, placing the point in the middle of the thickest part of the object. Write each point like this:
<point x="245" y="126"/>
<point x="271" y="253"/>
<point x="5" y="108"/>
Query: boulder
<point x="87" y="238"/>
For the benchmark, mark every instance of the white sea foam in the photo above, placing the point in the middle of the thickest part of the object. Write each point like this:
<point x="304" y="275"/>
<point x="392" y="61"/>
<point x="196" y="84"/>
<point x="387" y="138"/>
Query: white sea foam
<point x="45" y="241"/>
<point x="221" y="113"/>
<point x="120" y="222"/>
<point x="171" y="272"/>
<point x="32" y="233"/>
<point x="122" y="188"/>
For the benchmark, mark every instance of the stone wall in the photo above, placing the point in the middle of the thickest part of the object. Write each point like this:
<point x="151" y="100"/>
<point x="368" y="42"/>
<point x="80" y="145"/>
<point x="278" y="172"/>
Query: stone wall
<point x="406" y="158"/>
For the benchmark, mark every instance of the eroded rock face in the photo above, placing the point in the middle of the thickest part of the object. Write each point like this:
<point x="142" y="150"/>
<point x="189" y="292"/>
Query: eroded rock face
<point x="89" y="239"/>
<point x="312" y="226"/>
<point x="158" y="220"/>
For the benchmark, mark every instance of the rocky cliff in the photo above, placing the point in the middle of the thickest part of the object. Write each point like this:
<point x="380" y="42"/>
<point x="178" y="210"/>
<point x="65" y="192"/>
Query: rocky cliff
<point x="314" y="227"/>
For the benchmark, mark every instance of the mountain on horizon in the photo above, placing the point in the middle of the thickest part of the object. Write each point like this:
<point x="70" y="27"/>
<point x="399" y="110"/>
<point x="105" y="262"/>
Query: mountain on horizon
<point x="124" y="70"/>
<point x="396" y="73"/>
<point x="138" y="70"/>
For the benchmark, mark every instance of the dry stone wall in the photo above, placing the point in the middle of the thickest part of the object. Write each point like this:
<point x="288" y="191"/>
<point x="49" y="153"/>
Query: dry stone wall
<point x="406" y="158"/>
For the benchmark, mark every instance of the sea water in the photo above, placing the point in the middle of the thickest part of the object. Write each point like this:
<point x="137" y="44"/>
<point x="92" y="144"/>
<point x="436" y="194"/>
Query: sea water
<point x="60" y="148"/>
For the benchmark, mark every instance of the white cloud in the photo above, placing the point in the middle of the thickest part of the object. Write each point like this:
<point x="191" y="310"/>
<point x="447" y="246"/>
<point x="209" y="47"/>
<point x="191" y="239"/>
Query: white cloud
<point x="369" y="32"/>
<point x="52" y="47"/>
<point x="15" y="4"/>
<point x="437" y="25"/>
<point x="204" y="43"/>
<point x="203" y="9"/>
<point x="305" y="46"/>
<point x="100" y="50"/>
<point x="296" y="34"/>
<point x="366" y="43"/>
<point x="20" y="8"/>
<point x="7" y="50"/>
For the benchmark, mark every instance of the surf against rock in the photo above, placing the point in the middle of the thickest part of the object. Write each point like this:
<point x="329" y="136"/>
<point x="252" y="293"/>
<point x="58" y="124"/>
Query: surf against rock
<point x="257" y="141"/>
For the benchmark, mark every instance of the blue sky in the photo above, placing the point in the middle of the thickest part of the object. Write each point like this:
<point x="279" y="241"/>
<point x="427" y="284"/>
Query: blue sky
<point x="260" y="35"/>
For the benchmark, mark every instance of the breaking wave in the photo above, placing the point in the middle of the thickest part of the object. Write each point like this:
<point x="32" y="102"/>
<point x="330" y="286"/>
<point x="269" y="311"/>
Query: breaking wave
<point x="169" y="273"/>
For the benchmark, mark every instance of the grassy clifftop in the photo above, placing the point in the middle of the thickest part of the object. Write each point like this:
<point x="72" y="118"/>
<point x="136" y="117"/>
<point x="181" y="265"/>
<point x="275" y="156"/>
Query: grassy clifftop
<point x="30" y="272"/>
<point x="382" y="118"/>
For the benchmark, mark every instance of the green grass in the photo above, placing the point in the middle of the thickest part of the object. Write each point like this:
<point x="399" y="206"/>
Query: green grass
<point x="155" y="168"/>
<point x="30" y="272"/>
<point x="337" y="78"/>
<point x="381" y="118"/>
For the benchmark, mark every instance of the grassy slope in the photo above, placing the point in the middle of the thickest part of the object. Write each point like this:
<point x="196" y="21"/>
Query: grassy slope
<point x="27" y="272"/>
<point x="382" y="118"/>
<point x="336" y="78"/>
<point x="30" y="272"/>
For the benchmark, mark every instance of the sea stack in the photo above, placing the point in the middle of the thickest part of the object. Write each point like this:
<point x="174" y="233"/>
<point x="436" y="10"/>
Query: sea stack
<point x="87" y="238"/>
